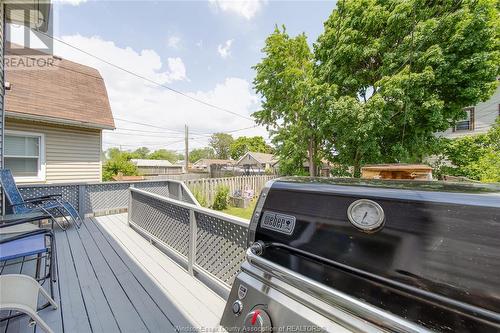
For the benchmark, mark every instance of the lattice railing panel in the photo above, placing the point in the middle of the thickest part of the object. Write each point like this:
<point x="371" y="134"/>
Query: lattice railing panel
<point x="220" y="246"/>
<point x="160" y="188"/>
<point x="167" y="222"/>
<point x="69" y="192"/>
<point x="99" y="197"/>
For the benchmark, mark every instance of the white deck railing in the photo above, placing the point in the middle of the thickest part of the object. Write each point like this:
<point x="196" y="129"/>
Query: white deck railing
<point x="209" y="244"/>
<point x="91" y="199"/>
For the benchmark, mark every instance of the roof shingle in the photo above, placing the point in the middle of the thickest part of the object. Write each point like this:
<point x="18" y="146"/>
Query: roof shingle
<point x="67" y="92"/>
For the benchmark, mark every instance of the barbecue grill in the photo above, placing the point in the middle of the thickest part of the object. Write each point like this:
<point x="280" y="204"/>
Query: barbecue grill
<point x="346" y="255"/>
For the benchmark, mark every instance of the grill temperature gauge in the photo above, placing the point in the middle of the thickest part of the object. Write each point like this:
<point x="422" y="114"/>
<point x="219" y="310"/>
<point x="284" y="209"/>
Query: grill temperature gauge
<point x="366" y="215"/>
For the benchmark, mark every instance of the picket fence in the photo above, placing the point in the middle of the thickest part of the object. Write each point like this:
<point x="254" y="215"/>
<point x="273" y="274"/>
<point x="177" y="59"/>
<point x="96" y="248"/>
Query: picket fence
<point x="207" y="187"/>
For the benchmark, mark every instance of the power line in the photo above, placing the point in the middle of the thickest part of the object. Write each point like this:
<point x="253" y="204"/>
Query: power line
<point x="154" y="126"/>
<point x="146" y="78"/>
<point x="177" y="131"/>
<point x="141" y="144"/>
<point x="231" y="131"/>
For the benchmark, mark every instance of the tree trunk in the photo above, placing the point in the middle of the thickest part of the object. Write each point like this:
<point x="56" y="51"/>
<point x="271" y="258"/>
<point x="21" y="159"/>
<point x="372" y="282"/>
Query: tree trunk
<point x="357" y="166"/>
<point x="312" y="164"/>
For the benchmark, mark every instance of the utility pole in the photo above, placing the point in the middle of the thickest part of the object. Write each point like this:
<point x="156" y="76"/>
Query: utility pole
<point x="186" y="153"/>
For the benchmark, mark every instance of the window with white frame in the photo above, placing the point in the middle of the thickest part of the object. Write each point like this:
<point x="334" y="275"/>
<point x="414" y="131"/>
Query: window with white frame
<point x="466" y="124"/>
<point x="24" y="155"/>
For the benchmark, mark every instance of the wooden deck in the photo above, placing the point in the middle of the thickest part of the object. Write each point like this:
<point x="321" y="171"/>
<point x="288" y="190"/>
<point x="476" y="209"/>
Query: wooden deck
<point x="110" y="279"/>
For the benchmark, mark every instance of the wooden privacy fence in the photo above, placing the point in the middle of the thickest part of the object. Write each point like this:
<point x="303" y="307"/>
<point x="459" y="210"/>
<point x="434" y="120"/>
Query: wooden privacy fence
<point x="207" y="187"/>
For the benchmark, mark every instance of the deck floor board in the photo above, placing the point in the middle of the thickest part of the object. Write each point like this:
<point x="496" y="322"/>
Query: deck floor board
<point x="110" y="279"/>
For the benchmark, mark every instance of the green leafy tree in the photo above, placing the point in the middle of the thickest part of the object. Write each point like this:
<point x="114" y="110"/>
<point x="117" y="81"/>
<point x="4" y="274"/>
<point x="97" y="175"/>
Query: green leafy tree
<point x="112" y="153"/>
<point x="199" y="153"/>
<point x="221" y="143"/>
<point x="474" y="157"/>
<point x="293" y="103"/>
<point x="118" y="165"/>
<point x="142" y="152"/>
<point x="164" y="154"/>
<point x="244" y="144"/>
<point x="403" y="70"/>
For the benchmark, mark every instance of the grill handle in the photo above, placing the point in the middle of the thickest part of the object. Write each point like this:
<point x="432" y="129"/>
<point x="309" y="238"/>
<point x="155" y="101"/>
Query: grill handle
<point x="349" y="304"/>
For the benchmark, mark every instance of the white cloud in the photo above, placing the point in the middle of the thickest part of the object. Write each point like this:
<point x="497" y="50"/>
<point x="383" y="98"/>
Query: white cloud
<point x="177" y="69"/>
<point x="225" y="51"/>
<point x="69" y="2"/>
<point x="136" y="100"/>
<point x="173" y="42"/>
<point x="146" y="62"/>
<point x="244" y="8"/>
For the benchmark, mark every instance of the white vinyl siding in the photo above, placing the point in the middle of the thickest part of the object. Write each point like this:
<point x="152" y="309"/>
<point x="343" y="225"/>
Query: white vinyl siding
<point x="484" y="117"/>
<point x="71" y="154"/>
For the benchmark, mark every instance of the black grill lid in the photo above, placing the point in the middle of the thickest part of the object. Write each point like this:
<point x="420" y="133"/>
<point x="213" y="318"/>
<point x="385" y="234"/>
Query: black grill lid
<point x="436" y="260"/>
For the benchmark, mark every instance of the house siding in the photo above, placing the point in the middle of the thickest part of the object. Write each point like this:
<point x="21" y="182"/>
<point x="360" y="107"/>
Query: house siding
<point x="2" y="85"/>
<point x="485" y="114"/>
<point x="72" y="154"/>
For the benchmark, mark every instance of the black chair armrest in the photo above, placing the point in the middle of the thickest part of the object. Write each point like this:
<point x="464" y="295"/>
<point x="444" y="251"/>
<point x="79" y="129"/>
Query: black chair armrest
<point x="44" y="198"/>
<point x="27" y="234"/>
<point x="16" y="222"/>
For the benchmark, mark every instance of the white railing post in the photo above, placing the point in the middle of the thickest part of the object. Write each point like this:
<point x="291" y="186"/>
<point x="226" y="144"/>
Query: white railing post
<point x="129" y="208"/>
<point x="193" y="230"/>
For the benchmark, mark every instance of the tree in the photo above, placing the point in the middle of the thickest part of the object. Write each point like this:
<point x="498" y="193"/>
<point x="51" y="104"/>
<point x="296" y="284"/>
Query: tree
<point x="164" y="154"/>
<point x="118" y="164"/>
<point x="199" y="153"/>
<point x="293" y="102"/>
<point x="112" y="153"/>
<point x="404" y="70"/>
<point x="142" y="152"/>
<point x="244" y="144"/>
<point x="221" y="143"/>
<point x="474" y="157"/>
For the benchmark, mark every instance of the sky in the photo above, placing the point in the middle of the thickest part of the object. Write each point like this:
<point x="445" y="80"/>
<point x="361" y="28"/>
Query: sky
<point x="204" y="49"/>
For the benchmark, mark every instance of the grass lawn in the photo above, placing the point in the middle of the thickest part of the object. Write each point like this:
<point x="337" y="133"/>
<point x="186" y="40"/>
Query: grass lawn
<point x="245" y="213"/>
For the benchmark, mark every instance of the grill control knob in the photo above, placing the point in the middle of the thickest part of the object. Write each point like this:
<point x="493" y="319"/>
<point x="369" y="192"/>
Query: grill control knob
<point x="258" y="321"/>
<point x="237" y="307"/>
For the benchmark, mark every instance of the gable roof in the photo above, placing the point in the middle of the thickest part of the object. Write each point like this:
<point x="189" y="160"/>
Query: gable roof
<point x="65" y="93"/>
<point x="262" y="158"/>
<point x="210" y="161"/>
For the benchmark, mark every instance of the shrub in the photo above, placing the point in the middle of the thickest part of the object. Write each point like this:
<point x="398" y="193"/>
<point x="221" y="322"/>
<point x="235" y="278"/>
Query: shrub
<point x="118" y="165"/>
<point x="221" y="198"/>
<point x="198" y="195"/>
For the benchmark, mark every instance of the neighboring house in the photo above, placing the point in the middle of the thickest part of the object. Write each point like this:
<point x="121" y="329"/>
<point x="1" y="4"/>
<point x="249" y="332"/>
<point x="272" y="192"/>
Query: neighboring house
<point x="40" y="14"/>
<point x="156" y="167"/>
<point x="256" y="161"/>
<point x="323" y="170"/>
<point x="204" y="164"/>
<point x="479" y="119"/>
<point x="54" y="119"/>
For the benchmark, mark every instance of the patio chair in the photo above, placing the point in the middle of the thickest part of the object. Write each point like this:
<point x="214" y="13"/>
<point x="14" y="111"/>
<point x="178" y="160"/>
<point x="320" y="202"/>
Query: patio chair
<point x="20" y="293"/>
<point x="53" y="205"/>
<point x="39" y="243"/>
<point x="12" y="224"/>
